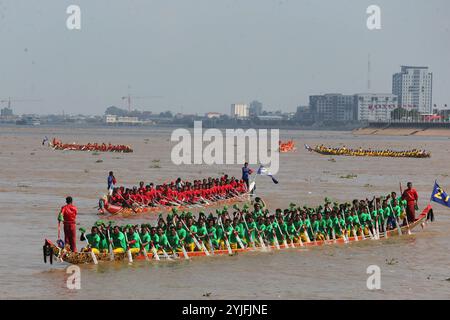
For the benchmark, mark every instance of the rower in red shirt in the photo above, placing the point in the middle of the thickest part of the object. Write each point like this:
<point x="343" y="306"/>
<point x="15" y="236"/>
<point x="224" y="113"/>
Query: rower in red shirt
<point x="68" y="215"/>
<point x="411" y="197"/>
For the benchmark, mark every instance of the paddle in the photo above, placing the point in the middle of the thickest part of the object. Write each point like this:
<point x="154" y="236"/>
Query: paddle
<point x="250" y="236"/>
<point x="111" y="251"/>
<point x="275" y="239"/>
<point x="129" y="255"/>
<point x="197" y="244"/>
<point x="94" y="258"/>
<point x="371" y="225"/>
<point x="377" y="227"/>
<point x="143" y="249"/>
<point x="355" y="234"/>
<point x="399" y="230"/>
<point x="261" y="240"/>
<point x="225" y="236"/>
<point x="282" y="236"/>
<point x="238" y="239"/>
<point x="183" y="249"/>
<point x="407" y="222"/>
<point x="165" y="254"/>
<point x="342" y="231"/>
<point x="313" y="234"/>
<point x="291" y="237"/>
<point x="154" y="251"/>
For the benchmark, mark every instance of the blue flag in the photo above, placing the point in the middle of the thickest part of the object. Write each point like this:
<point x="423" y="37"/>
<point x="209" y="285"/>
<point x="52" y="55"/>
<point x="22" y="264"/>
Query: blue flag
<point x="440" y="196"/>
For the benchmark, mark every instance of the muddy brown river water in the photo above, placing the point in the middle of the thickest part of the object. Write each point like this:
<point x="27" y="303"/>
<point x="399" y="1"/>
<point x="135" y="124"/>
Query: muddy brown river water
<point x="34" y="181"/>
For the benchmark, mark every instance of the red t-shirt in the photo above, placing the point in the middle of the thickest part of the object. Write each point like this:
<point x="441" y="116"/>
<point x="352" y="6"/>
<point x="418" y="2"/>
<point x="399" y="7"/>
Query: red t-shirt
<point x="410" y="196"/>
<point x="69" y="212"/>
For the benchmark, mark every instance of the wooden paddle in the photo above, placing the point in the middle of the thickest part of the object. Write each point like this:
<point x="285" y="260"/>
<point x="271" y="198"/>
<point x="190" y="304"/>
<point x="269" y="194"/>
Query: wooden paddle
<point x="197" y="244"/>
<point x="226" y="237"/>
<point x="111" y="250"/>
<point x="129" y="255"/>
<point x="399" y="230"/>
<point x="143" y="249"/>
<point x="155" y="252"/>
<point x="183" y="249"/>
<point x="282" y="236"/>
<point x="248" y="231"/>
<point x="94" y="258"/>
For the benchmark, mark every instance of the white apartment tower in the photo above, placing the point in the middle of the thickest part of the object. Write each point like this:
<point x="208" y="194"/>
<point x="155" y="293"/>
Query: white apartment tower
<point x="414" y="88"/>
<point x="239" y="110"/>
<point x="375" y="106"/>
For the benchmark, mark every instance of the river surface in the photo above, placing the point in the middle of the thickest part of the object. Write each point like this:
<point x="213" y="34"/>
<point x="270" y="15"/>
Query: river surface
<point x="34" y="181"/>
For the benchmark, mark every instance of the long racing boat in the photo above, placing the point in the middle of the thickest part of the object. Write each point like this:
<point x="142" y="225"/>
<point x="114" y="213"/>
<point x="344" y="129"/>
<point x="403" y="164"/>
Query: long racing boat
<point x="53" y="251"/>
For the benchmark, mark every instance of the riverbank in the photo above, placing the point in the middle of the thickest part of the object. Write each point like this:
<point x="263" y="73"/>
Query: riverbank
<point x="413" y="131"/>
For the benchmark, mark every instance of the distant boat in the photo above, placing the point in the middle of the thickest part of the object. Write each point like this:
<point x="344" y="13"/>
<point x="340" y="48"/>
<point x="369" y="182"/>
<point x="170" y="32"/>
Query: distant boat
<point x="29" y="121"/>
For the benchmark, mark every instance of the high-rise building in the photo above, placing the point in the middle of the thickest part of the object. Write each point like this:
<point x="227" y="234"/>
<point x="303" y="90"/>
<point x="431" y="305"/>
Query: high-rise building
<point x="375" y="106"/>
<point x="333" y="107"/>
<point x="414" y="88"/>
<point x="239" y="110"/>
<point x="255" y="108"/>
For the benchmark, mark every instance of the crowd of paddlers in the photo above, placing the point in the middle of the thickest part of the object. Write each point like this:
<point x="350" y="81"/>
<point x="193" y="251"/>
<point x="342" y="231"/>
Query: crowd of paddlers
<point x="344" y="151"/>
<point x="234" y="228"/>
<point x="178" y="193"/>
<point x="286" y="146"/>
<point x="99" y="147"/>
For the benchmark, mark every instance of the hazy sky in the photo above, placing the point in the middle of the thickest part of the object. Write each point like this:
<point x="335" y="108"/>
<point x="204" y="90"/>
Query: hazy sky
<point x="203" y="55"/>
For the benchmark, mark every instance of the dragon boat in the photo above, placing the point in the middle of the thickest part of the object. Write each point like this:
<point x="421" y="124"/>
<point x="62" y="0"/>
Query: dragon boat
<point x="113" y="209"/>
<point x="52" y="251"/>
<point x="56" y="144"/>
<point x="343" y="151"/>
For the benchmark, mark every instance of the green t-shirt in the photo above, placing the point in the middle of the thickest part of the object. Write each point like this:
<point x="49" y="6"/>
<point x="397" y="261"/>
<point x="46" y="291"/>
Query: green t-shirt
<point x="252" y="227"/>
<point x="189" y="236"/>
<point x="103" y="242"/>
<point x="136" y="238"/>
<point x="94" y="240"/>
<point x="182" y="234"/>
<point x="119" y="240"/>
<point x="145" y="237"/>
<point x="174" y="241"/>
<point x="236" y="231"/>
<point x="162" y="241"/>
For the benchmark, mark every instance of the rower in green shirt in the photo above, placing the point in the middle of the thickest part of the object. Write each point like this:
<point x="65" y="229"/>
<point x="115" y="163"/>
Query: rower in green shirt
<point x="182" y="233"/>
<point x="134" y="242"/>
<point x="212" y="235"/>
<point x="250" y="234"/>
<point x="145" y="238"/>
<point x="162" y="240"/>
<point x="173" y="240"/>
<point x="118" y="240"/>
<point x="93" y="239"/>
<point x="191" y="233"/>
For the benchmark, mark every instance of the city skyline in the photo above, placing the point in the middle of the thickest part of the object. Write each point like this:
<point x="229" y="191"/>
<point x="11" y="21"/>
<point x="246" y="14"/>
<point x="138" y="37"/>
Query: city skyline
<point x="206" y="56"/>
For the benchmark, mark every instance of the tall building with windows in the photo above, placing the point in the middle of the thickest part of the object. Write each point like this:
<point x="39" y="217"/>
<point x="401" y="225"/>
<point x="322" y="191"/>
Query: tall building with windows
<point x="239" y="110"/>
<point x="255" y="108"/>
<point x="414" y="88"/>
<point x="333" y="107"/>
<point x="375" y="106"/>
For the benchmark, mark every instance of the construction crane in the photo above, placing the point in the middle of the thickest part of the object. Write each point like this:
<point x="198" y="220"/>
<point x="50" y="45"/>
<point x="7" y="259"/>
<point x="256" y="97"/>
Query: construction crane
<point x="129" y="97"/>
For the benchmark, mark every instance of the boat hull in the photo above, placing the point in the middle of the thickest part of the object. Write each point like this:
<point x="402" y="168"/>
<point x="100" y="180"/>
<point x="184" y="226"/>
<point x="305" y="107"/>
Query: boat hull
<point x="85" y="257"/>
